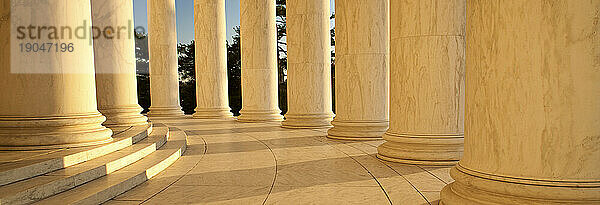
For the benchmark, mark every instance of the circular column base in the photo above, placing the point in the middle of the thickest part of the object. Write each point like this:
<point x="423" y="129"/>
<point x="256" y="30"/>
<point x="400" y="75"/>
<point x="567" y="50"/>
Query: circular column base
<point x="473" y="187"/>
<point x="298" y="121"/>
<point x="165" y="112"/>
<point x="421" y="149"/>
<point x="260" y="116"/>
<point x="357" y="130"/>
<point x="416" y="162"/>
<point x="216" y="113"/>
<point x="124" y="116"/>
<point x="33" y="133"/>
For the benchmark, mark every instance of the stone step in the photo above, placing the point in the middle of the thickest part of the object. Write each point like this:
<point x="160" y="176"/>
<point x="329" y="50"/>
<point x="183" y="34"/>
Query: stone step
<point x="40" y="187"/>
<point x="23" y="168"/>
<point x="120" y="181"/>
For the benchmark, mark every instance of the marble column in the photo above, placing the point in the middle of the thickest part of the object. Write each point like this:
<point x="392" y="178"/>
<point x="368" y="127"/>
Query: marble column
<point x="114" y="59"/>
<point x="309" y="64"/>
<point x="212" y="95"/>
<point x="162" y="43"/>
<point x="361" y="69"/>
<point x="259" y="62"/>
<point x="427" y="88"/>
<point x="532" y="122"/>
<point x="48" y="98"/>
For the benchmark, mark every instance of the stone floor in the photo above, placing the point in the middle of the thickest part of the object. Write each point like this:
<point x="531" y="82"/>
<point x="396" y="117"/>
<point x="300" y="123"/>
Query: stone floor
<point x="229" y="162"/>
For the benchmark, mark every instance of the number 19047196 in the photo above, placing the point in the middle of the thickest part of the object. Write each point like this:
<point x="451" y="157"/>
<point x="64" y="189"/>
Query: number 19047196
<point x="46" y="47"/>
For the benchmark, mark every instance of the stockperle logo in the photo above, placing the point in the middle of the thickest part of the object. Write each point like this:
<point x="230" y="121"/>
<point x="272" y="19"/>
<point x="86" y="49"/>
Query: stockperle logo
<point x="45" y="33"/>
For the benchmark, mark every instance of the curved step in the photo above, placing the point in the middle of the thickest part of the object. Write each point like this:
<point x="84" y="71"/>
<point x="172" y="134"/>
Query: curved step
<point x="35" y="165"/>
<point x="120" y="181"/>
<point x="40" y="187"/>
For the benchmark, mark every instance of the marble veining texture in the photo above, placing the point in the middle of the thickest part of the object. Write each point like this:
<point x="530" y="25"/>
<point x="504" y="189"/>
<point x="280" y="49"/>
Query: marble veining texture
<point x="162" y="43"/>
<point x="211" y="59"/>
<point x="114" y="61"/>
<point x="309" y="64"/>
<point x="48" y="99"/>
<point x="258" y="37"/>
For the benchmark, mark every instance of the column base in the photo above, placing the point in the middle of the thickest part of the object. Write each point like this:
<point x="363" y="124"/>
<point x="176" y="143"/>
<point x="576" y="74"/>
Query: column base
<point x="126" y="116"/>
<point x="357" y="130"/>
<point x="307" y="120"/>
<point x="473" y="187"/>
<point x="260" y="116"/>
<point x="216" y="113"/>
<point x="165" y="112"/>
<point x="421" y="149"/>
<point x="33" y="133"/>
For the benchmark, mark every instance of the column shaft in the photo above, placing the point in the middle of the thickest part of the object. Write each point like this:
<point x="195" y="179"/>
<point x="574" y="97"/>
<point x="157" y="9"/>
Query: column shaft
<point x="532" y="125"/>
<point x="362" y="69"/>
<point x="427" y="82"/>
<point x="309" y="64"/>
<point x="114" y="59"/>
<point x="48" y="98"/>
<point x="162" y="43"/>
<point x="259" y="61"/>
<point x="212" y="94"/>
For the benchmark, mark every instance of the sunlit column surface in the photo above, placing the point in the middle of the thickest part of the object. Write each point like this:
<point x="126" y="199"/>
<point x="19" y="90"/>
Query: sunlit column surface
<point x="532" y="122"/>
<point x="212" y="94"/>
<point x="309" y="64"/>
<point x="258" y="36"/>
<point x="361" y="69"/>
<point x="427" y="82"/>
<point x="162" y="43"/>
<point x="114" y="59"/>
<point x="48" y="99"/>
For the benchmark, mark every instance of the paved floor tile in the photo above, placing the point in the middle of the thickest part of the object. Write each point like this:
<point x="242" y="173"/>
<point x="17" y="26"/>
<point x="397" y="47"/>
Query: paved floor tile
<point x="229" y="162"/>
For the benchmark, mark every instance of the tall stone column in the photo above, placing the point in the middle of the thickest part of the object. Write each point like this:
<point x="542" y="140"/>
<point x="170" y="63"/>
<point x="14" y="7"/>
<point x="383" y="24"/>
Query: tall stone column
<point x="212" y="95"/>
<point x="427" y="82"/>
<point x="361" y="69"/>
<point x="114" y="59"/>
<point x="532" y="125"/>
<point x="49" y="97"/>
<point x="259" y="61"/>
<point x="309" y="64"/>
<point x="162" y="43"/>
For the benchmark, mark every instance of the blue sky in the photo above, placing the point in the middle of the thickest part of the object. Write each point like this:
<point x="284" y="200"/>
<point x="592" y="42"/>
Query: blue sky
<point x="185" y="17"/>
